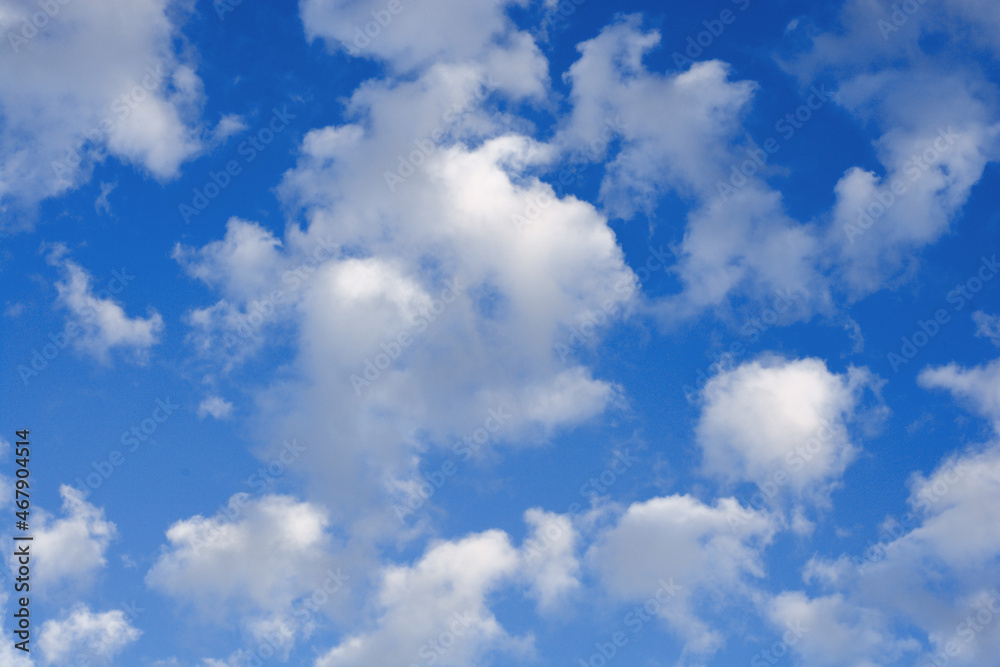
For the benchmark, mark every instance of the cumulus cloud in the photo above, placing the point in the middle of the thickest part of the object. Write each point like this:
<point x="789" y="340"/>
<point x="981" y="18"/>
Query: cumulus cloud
<point x="437" y="609"/>
<point x="611" y="87"/>
<point x="932" y="149"/>
<point x="93" y="81"/>
<point x="255" y="559"/>
<point x="81" y="633"/>
<point x="432" y="282"/>
<point x="828" y="631"/>
<point x="932" y="160"/>
<point x="978" y="386"/>
<point x="782" y="424"/>
<point x="433" y="272"/>
<point x="242" y="264"/>
<point x="14" y="657"/>
<point x="708" y="551"/>
<point x="447" y="31"/>
<point x="71" y="549"/>
<point x="742" y="241"/>
<point x="738" y="239"/>
<point x="551" y="558"/>
<point x="216" y="406"/>
<point x="99" y="322"/>
<point x="925" y="571"/>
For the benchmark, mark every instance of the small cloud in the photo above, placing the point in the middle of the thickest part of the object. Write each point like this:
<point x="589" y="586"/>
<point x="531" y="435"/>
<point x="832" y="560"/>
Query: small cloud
<point x="215" y="406"/>
<point x="792" y="25"/>
<point x="99" y="321"/>
<point x="987" y="326"/>
<point x="81" y="632"/>
<point x="102" y="204"/>
<point x="229" y="125"/>
<point x="72" y="548"/>
<point x="13" y="310"/>
<point x="853" y="330"/>
<point x="918" y="424"/>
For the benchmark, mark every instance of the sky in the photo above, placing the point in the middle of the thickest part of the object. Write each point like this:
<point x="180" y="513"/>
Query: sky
<point x="502" y="332"/>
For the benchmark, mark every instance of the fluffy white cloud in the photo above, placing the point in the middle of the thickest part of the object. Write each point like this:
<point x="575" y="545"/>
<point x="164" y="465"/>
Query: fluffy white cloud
<point x="932" y="160"/>
<point x="100" y="322"/>
<point x="437" y="609"/>
<point x="933" y="148"/>
<point x="14" y="657"/>
<point x="216" y="406"/>
<point x="703" y="549"/>
<point x="93" y="81"/>
<point x="241" y="265"/>
<point x="978" y="386"/>
<point x="742" y="240"/>
<point x="739" y="239"/>
<point x="612" y="88"/>
<point x="781" y="424"/>
<point x="925" y="571"/>
<point x="446" y="31"/>
<point x="460" y="281"/>
<point x="551" y="559"/>
<point x="81" y="633"/>
<point x="255" y="563"/>
<point x="71" y="549"/>
<point x="828" y="631"/>
<point x="450" y="276"/>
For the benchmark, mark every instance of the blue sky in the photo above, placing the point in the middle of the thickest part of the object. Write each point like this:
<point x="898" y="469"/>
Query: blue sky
<point x="504" y="333"/>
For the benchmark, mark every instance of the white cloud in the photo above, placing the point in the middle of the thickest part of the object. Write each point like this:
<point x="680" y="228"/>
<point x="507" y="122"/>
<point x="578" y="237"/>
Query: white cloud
<point x="384" y="369"/>
<point x="933" y="147"/>
<point x="987" y="326"/>
<point x="437" y="609"/>
<point x="447" y="31"/>
<point x="611" y="86"/>
<point x="927" y="568"/>
<point x="550" y="557"/>
<point x="242" y="264"/>
<point x="102" y="203"/>
<point x="256" y="565"/>
<point x="96" y="80"/>
<point x="71" y="549"/>
<point x="216" y="406"/>
<point x="14" y="657"/>
<point x="781" y="424"/>
<point x="13" y="310"/>
<point x="704" y="549"/>
<point x="84" y="634"/>
<point x="979" y="386"/>
<point x="375" y="264"/>
<point x="100" y="322"/>
<point x="827" y="631"/>
<point x="229" y="125"/>
<point x="740" y="241"/>
<point x="933" y="159"/>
